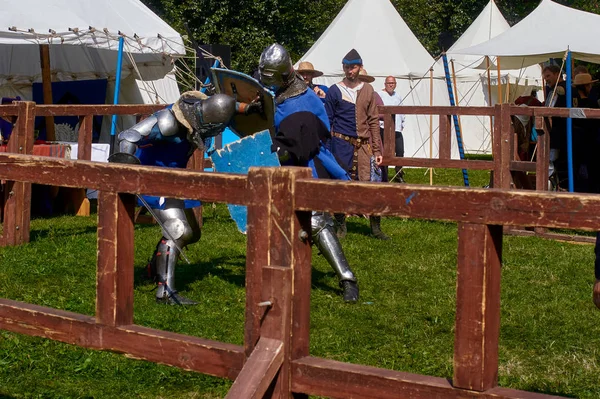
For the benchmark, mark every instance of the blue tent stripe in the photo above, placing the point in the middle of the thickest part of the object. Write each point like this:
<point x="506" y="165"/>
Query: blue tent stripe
<point x="461" y="149"/>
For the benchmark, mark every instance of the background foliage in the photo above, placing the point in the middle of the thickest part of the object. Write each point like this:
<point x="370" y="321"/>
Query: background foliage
<point x="248" y="26"/>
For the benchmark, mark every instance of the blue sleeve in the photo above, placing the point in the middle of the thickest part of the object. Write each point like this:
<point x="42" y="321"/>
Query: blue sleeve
<point x="331" y="100"/>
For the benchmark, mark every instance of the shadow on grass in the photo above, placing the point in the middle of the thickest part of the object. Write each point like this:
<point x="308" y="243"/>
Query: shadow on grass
<point x="230" y="269"/>
<point x="37" y="235"/>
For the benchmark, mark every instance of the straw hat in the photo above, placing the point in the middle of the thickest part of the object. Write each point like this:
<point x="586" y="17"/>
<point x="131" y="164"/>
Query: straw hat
<point x="583" y="79"/>
<point x="363" y="76"/>
<point x="308" y="68"/>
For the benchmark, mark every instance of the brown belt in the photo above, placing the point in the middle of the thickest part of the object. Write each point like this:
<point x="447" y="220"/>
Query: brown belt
<point x="357" y="142"/>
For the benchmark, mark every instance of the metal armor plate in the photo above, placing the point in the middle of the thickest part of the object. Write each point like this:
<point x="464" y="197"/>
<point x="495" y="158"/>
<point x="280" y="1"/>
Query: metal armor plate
<point x="238" y="157"/>
<point x="246" y="89"/>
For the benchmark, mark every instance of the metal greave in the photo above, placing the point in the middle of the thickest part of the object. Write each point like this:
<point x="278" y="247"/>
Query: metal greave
<point x="184" y="229"/>
<point x="327" y="242"/>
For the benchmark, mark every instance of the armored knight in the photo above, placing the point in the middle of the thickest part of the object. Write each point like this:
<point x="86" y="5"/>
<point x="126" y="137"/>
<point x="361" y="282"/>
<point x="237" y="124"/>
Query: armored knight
<point x="168" y="138"/>
<point x="301" y="130"/>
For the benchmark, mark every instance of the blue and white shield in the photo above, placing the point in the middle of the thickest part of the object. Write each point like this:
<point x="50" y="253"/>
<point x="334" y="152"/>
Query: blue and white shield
<point x="238" y="157"/>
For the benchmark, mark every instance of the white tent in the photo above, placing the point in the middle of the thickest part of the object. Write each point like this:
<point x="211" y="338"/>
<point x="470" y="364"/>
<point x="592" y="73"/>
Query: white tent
<point x="388" y="47"/>
<point x="547" y="32"/>
<point x="472" y="78"/>
<point x="83" y="38"/>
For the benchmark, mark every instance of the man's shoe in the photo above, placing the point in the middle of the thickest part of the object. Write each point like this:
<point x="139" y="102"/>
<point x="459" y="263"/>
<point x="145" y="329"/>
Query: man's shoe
<point x="376" y="228"/>
<point x="175" y="299"/>
<point x="350" y="291"/>
<point x="380" y="235"/>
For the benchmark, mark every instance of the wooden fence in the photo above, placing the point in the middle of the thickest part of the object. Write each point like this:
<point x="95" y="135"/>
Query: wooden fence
<point x="275" y="360"/>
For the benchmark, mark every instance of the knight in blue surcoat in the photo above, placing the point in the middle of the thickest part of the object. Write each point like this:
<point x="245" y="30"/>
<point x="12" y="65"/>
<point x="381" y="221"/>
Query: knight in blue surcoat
<point x="301" y="131"/>
<point x="168" y="138"/>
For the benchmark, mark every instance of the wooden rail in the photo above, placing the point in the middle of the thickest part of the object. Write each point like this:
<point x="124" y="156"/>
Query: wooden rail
<point x="275" y="360"/>
<point x="15" y="205"/>
<point x="507" y="170"/>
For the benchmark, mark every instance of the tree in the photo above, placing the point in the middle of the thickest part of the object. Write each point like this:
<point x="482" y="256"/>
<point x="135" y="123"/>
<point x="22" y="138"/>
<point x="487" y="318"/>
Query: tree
<point x="248" y="26"/>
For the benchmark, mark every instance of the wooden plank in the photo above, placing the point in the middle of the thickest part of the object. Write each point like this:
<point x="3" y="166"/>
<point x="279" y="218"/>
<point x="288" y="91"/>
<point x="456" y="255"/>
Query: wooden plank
<point x="47" y="88"/>
<point x="80" y="110"/>
<point x="277" y="286"/>
<point x="114" y="289"/>
<point x="439" y="163"/>
<point x="548" y="112"/>
<point x="505" y="154"/>
<point x="84" y="153"/>
<point x="437" y="110"/>
<point x="186" y="352"/>
<point x="477" y="307"/>
<point x="543" y="233"/>
<point x="389" y="150"/>
<point x="542" y="159"/>
<point x="257" y="251"/>
<point x="17" y="206"/>
<point x="9" y="111"/>
<point x="287" y="259"/>
<point x="330" y="378"/>
<point x="259" y="370"/>
<point x="490" y="206"/>
<point x="496" y="175"/>
<point x="84" y="150"/>
<point x="445" y="140"/>
<point x="522" y="166"/>
<point x="168" y="182"/>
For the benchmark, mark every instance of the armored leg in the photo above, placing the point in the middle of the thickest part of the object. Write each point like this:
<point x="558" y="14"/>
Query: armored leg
<point x="326" y="240"/>
<point x="183" y="229"/>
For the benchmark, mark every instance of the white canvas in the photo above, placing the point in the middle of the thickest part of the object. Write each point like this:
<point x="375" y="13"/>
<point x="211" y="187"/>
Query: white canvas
<point x="388" y="47"/>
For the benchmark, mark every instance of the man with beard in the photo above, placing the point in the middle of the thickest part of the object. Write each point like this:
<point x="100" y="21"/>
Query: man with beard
<point x="352" y="112"/>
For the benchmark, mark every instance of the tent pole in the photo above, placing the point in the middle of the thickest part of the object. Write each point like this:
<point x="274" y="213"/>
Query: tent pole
<point x="461" y="150"/>
<point x="456" y="97"/>
<point x="569" y="124"/>
<point x="430" y="124"/>
<point x="113" y="127"/>
<point x="491" y="103"/>
<point x="47" y="88"/>
<point x="499" y="81"/>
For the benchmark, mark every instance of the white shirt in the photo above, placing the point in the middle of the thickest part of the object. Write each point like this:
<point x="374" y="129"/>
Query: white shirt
<point x="394" y="99"/>
<point x="349" y="94"/>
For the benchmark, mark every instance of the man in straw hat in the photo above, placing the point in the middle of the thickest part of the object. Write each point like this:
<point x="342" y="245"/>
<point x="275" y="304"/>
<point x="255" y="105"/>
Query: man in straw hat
<point x="352" y="111"/>
<point x="301" y="129"/>
<point x="308" y="73"/>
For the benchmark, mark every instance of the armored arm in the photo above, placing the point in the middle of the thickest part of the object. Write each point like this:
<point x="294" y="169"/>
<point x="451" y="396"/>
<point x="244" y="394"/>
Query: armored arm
<point x="159" y="125"/>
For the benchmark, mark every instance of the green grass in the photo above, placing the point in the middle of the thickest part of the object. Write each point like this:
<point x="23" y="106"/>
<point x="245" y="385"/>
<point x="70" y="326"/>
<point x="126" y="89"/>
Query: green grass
<point x="550" y="330"/>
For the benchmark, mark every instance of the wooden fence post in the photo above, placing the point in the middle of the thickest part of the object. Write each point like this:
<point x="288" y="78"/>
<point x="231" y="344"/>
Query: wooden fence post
<point x="114" y="292"/>
<point x="445" y="141"/>
<point x="278" y="270"/>
<point x="17" y="204"/>
<point x="477" y="306"/>
<point x="503" y="156"/>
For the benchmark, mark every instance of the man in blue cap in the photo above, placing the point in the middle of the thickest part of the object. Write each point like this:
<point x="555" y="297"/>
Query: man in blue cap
<point x="352" y="112"/>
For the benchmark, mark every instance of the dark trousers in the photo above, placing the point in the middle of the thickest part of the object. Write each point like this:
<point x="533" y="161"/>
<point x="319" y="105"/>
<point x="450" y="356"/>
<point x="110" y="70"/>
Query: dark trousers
<point x="399" y="153"/>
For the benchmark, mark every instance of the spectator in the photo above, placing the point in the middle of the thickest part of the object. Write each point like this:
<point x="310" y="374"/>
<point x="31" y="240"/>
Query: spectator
<point x="390" y="96"/>
<point x="308" y="73"/>
<point x="352" y="112"/>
